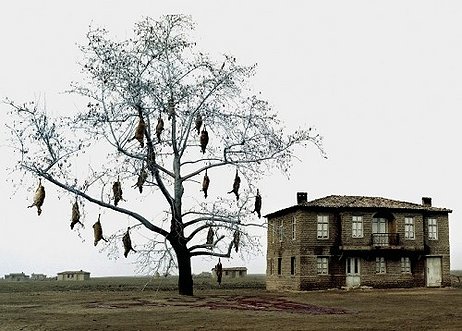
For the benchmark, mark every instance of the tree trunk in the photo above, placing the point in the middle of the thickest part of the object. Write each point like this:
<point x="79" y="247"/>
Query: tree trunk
<point x="185" y="281"/>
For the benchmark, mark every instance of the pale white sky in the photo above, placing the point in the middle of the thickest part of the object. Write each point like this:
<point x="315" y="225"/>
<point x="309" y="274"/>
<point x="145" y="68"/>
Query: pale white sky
<point x="380" y="80"/>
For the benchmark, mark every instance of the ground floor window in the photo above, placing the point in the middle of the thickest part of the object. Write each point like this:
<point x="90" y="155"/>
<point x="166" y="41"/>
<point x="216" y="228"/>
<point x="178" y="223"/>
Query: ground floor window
<point x="323" y="265"/>
<point x="279" y="265"/>
<point x="292" y="265"/>
<point x="380" y="266"/>
<point x="405" y="265"/>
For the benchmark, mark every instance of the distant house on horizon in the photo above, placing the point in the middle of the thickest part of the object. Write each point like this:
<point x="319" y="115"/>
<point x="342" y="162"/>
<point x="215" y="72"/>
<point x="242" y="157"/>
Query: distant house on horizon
<point x="38" y="277"/>
<point x="350" y="241"/>
<point x="73" y="275"/>
<point x="17" y="277"/>
<point x="232" y="272"/>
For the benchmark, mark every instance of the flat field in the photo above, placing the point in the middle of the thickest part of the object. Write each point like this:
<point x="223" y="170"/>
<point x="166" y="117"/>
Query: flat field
<point x="153" y="304"/>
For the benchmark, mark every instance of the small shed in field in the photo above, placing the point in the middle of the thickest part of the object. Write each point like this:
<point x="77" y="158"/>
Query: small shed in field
<point x="232" y="272"/>
<point x="74" y="275"/>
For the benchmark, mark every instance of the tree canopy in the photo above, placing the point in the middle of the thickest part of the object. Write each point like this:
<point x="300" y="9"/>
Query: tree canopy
<point x="166" y="121"/>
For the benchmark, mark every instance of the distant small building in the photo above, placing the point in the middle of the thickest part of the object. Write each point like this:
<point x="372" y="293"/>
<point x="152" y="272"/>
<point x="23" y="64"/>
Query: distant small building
<point x="17" y="277"/>
<point x="73" y="275"/>
<point x="233" y="272"/>
<point x="38" y="277"/>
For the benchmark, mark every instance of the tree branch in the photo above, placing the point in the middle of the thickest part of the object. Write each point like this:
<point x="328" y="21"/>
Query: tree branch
<point x="136" y="216"/>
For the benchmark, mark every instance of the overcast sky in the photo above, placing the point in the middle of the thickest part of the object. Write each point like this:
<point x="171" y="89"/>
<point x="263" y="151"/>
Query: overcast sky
<point x="380" y="80"/>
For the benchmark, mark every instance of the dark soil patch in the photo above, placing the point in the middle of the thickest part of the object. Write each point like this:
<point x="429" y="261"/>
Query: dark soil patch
<point x="249" y="303"/>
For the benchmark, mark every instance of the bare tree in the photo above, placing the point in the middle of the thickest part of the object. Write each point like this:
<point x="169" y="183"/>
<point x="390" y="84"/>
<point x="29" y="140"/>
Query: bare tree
<point x="171" y="116"/>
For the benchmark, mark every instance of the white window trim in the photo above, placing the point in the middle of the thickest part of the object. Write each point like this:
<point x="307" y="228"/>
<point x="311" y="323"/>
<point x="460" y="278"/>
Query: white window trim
<point x="380" y="265"/>
<point x="408" y="225"/>
<point x="322" y="219"/>
<point x="406" y="265"/>
<point x="322" y="261"/>
<point x="294" y="228"/>
<point x="281" y="230"/>
<point x="433" y="226"/>
<point x="357" y="220"/>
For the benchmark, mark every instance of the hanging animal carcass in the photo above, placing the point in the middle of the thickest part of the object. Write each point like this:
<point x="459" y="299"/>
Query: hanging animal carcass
<point x="142" y="176"/>
<point x="205" y="183"/>
<point x="198" y="123"/>
<point x="236" y="239"/>
<point x="98" y="231"/>
<point x="39" y="197"/>
<point x="140" y="128"/>
<point x="204" y="139"/>
<point x="210" y="234"/>
<point x="127" y="243"/>
<point x="117" y="191"/>
<point x="159" y="127"/>
<point x="236" y="185"/>
<point x="75" y="218"/>
<point x="258" y="204"/>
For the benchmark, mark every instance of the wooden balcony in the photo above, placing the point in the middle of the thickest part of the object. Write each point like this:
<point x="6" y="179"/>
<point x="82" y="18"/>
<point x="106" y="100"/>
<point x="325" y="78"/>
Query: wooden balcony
<point x="385" y="240"/>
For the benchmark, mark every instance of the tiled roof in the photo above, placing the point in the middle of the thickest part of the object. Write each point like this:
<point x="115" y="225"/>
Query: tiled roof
<point x="348" y="201"/>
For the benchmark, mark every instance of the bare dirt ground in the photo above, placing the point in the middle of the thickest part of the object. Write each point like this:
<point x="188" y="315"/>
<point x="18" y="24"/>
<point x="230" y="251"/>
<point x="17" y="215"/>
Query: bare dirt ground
<point x="231" y="309"/>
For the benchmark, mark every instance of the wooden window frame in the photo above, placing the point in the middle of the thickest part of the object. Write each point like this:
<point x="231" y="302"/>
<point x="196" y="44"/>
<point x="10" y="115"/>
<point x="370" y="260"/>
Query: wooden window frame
<point x="321" y="233"/>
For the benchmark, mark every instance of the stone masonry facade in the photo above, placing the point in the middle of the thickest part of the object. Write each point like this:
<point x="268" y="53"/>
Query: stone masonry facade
<point x="348" y="241"/>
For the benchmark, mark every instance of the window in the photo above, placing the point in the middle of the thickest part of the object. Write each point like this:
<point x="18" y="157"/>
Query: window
<point x="281" y="230"/>
<point x="409" y="232"/>
<point x="357" y="227"/>
<point x="323" y="227"/>
<point x="323" y="265"/>
<point x="405" y="265"/>
<point x="273" y="231"/>
<point x="432" y="229"/>
<point x="292" y="265"/>
<point x="380" y="267"/>
<point x="279" y="265"/>
<point x="294" y="224"/>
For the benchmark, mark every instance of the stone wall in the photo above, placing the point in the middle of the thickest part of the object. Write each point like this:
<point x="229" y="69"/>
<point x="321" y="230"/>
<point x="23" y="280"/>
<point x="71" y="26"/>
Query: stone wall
<point x="340" y="244"/>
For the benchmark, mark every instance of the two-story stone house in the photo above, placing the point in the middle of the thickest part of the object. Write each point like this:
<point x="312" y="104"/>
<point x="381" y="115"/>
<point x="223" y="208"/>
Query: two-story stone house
<point x="353" y="241"/>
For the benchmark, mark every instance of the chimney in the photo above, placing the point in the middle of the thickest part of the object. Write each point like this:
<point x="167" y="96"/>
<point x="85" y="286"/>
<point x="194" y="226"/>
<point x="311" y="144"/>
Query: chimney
<point x="301" y="197"/>
<point x="426" y="201"/>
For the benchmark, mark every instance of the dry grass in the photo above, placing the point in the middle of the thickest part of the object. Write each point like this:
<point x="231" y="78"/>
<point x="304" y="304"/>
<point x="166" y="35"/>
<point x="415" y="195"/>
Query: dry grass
<point x="120" y="304"/>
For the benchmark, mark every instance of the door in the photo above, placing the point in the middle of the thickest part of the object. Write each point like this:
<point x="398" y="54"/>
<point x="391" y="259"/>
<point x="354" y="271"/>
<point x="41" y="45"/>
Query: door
<point x="353" y="277"/>
<point x="433" y="271"/>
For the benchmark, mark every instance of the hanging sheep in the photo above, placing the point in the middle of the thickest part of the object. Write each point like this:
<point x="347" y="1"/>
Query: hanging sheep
<point x="39" y="197"/>
<point x="219" y="271"/>
<point x="204" y="140"/>
<point x="236" y="184"/>
<point x="198" y="123"/>
<point x="205" y="184"/>
<point x="117" y="190"/>
<point x="140" y="128"/>
<point x="142" y="176"/>
<point x="98" y="231"/>
<point x="236" y="239"/>
<point x="257" y="204"/>
<point x="127" y="243"/>
<point x="75" y="218"/>
<point x="171" y="108"/>
<point x="159" y="127"/>
<point x="210" y="234"/>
